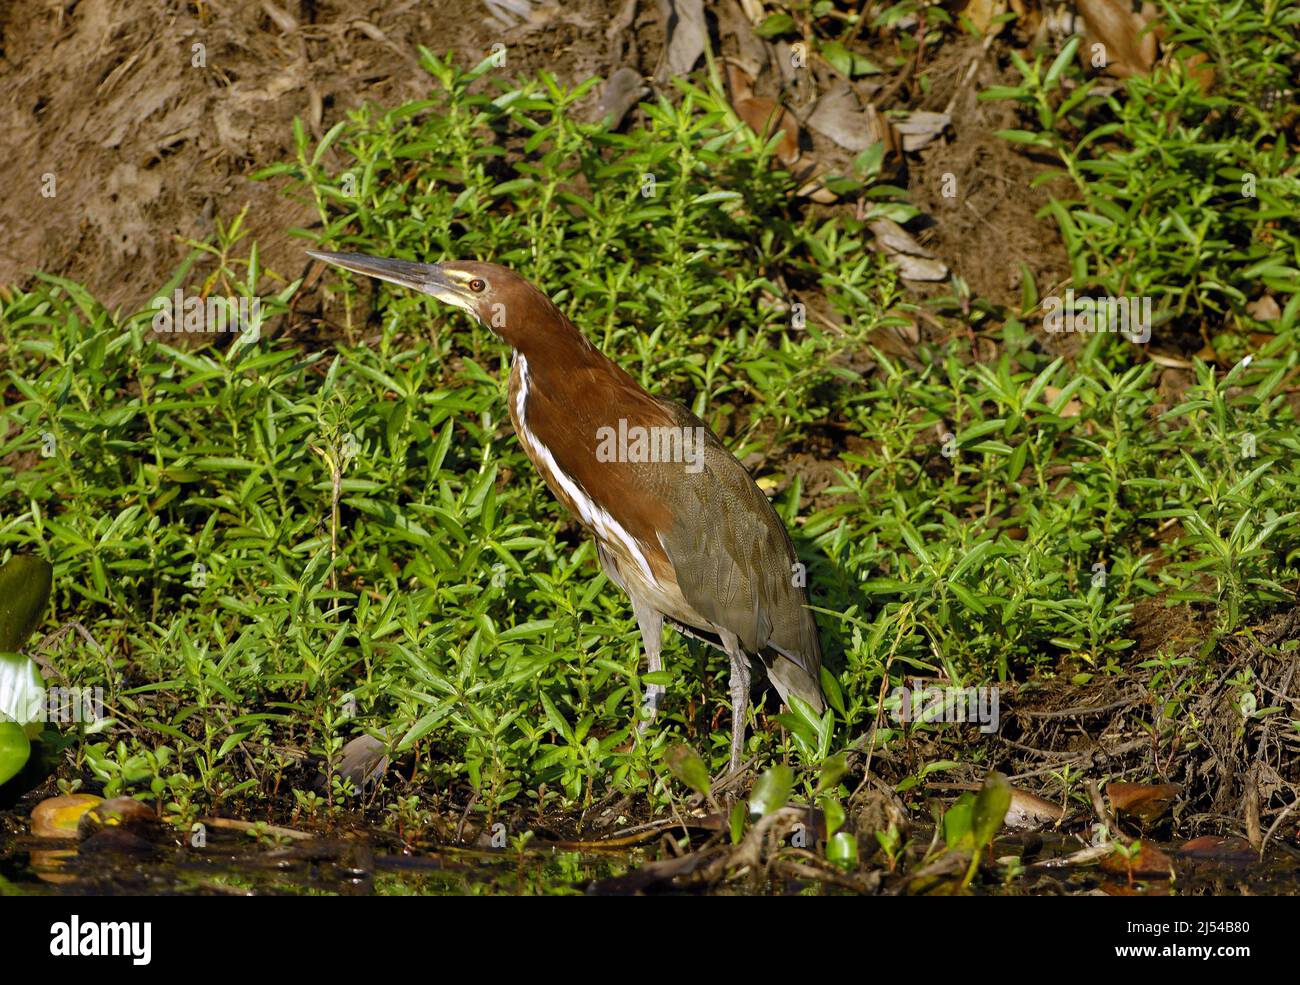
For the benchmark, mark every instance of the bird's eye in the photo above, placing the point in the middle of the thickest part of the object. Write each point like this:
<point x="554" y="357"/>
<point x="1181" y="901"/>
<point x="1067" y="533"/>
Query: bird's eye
<point x="477" y="285"/>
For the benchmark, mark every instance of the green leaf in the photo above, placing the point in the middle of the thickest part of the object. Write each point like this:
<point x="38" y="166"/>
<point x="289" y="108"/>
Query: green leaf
<point x="230" y="743"/>
<point x="1004" y="92"/>
<point x="737" y="822"/>
<point x="1063" y="59"/>
<point x="839" y="57"/>
<point x="24" y="591"/>
<point x="833" y="812"/>
<point x="957" y="822"/>
<point x="685" y="764"/>
<point x="557" y="720"/>
<point x="842" y="849"/>
<point x="990" y="808"/>
<point x="1024" y="137"/>
<point x="869" y="162"/>
<point x="1016" y="464"/>
<point x="833" y="770"/>
<point x="774" y="25"/>
<point x="15" y="750"/>
<point x="1028" y="289"/>
<point x="772" y="791"/>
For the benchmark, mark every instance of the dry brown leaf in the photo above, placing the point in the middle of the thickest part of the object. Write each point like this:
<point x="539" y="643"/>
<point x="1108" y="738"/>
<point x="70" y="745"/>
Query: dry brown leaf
<point x="882" y="130"/>
<point x="762" y="115"/>
<point x="918" y="268"/>
<point x="1146" y="801"/>
<point x="363" y="761"/>
<point x="740" y="82"/>
<point x="1200" y="68"/>
<point x="840" y="116"/>
<point x="1072" y="408"/>
<point x="624" y="90"/>
<point x="1208" y="354"/>
<point x="1260" y="339"/>
<point x="1149" y="861"/>
<point x="816" y="190"/>
<point x="912" y="260"/>
<point x="508" y="13"/>
<point x="1029" y="12"/>
<point x="765" y="116"/>
<point x="1225" y="849"/>
<point x="1128" y="50"/>
<point x="683" y="23"/>
<point x="1264" y="309"/>
<point x="920" y="127"/>
<point x="981" y="12"/>
<point x="896" y="239"/>
<point x="751" y="53"/>
<point x="896" y="341"/>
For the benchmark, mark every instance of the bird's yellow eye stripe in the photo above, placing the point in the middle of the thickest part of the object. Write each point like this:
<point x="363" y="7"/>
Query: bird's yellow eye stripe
<point x="475" y="284"/>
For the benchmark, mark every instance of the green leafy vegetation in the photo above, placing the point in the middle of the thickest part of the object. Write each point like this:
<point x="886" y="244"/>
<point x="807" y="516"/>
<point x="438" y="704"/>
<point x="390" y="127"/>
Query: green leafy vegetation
<point x="283" y="542"/>
<point x="1185" y="184"/>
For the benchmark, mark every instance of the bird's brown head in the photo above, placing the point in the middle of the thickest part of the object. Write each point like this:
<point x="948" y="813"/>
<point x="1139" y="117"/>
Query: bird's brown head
<point x="510" y="306"/>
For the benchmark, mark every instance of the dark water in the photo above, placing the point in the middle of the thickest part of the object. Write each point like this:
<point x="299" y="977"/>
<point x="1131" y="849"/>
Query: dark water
<point x="118" y="862"/>
<point x="319" y="867"/>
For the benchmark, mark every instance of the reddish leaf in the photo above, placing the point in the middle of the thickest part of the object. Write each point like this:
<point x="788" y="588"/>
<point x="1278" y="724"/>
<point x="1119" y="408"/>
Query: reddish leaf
<point x="1145" y="801"/>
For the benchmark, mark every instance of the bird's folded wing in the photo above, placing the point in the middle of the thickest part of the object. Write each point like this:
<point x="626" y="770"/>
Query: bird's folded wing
<point x="734" y="560"/>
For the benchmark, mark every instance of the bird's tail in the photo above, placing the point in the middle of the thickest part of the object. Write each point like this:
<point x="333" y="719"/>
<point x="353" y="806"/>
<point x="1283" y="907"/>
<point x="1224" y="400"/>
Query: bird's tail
<point x="787" y="674"/>
<point x="788" y="677"/>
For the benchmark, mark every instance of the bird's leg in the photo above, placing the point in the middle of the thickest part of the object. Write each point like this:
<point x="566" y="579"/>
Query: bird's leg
<point x="651" y="623"/>
<point x="739" y="695"/>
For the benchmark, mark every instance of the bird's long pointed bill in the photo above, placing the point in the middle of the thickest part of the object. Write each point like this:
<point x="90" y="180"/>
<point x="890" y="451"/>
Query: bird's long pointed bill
<point x="427" y="278"/>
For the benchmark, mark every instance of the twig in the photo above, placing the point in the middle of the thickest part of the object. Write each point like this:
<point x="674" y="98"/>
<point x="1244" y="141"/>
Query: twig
<point x="256" y="827"/>
<point x="1080" y="711"/>
<point x="460" y="828"/>
<point x="970" y="71"/>
<point x="1274" y="826"/>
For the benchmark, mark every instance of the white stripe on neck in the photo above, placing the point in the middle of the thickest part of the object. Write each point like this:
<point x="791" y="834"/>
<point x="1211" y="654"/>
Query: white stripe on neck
<point x="591" y="513"/>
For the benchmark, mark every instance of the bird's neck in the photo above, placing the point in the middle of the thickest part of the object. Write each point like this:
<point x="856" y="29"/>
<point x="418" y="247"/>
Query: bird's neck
<point x="551" y="344"/>
<point x="552" y="357"/>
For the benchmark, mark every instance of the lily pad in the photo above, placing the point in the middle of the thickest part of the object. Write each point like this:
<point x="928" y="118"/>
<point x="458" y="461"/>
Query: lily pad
<point x="59" y="817"/>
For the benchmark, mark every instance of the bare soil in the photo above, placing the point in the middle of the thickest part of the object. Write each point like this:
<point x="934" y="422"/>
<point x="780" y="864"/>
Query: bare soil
<point x="130" y="127"/>
<point x="145" y="139"/>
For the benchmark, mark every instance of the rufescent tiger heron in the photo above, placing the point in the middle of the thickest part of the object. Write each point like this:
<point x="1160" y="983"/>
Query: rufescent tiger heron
<point x="679" y="524"/>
